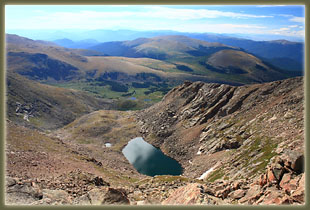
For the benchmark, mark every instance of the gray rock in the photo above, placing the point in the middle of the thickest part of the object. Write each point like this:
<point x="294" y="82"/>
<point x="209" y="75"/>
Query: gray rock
<point x="237" y="194"/>
<point x="22" y="194"/>
<point x="99" y="196"/>
<point x="10" y="181"/>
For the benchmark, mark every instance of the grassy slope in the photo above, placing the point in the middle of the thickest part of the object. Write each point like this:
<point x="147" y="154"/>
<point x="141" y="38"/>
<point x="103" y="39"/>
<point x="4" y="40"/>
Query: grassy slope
<point x="100" y="127"/>
<point x="53" y="106"/>
<point x="253" y="67"/>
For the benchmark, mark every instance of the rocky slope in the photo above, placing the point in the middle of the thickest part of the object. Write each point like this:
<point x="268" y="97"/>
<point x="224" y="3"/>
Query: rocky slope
<point x="238" y="145"/>
<point x="232" y="132"/>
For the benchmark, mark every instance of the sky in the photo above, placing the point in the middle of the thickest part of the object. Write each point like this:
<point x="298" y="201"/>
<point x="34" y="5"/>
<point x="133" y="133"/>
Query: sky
<point x="285" y="20"/>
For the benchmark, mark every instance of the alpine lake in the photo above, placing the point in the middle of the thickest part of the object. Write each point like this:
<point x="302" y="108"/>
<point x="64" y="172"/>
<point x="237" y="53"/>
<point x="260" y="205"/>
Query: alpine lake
<point x="149" y="160"/>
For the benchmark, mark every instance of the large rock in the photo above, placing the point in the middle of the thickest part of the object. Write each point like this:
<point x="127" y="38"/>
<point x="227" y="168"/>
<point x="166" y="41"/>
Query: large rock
<point x="299" y="194"/>
<point x="271" y="178"/>
<point x="82" y="200"/>
<point x="288" y="183"/>
<point x="293" y="160"/>
<point x="107" y="195"/>
<point x="274" y="196"/>
<point x="54" y="197"/>
<point x="237" y="194"/>
<point x="21" y="193"/>
<point x="252" y="195"/>
<point x="189" y="194"/>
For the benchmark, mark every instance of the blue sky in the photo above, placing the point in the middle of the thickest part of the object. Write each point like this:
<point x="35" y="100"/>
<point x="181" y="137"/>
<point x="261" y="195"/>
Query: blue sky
<point x="260" y="19"/>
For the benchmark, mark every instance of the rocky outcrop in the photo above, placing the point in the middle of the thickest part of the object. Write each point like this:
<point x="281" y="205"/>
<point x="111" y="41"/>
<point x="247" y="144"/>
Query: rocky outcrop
<point x="18" y="192"/>
<point x="189" y="194"/>
<point x="219" y="117"/>
<point x="266" y="190"/>
<point x="100" y="196"/>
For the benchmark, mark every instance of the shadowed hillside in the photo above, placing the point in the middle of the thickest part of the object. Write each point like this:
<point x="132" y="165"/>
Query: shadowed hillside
<point x="47" y="107"/>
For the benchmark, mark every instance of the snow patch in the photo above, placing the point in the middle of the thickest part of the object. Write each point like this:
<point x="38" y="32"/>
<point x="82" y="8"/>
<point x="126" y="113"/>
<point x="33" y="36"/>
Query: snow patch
<point x="108" y="144"/>
<point x="204" y="175"/>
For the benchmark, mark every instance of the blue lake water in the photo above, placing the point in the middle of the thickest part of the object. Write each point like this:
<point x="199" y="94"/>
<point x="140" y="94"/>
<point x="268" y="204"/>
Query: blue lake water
<point x="149" y="160"/>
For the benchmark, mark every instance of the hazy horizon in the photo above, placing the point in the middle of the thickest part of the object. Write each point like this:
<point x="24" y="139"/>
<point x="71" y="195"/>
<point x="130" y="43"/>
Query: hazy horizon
<point x="249" y="21"/>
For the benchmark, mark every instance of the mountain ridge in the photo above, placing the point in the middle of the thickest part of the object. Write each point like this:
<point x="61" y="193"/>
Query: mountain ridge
<point x="179" y="62"/>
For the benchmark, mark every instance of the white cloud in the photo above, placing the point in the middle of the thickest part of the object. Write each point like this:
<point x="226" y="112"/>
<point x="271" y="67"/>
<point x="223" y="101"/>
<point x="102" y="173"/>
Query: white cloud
<point x="293" y="18"/>
<point x="288" y="32"/>
<point x="297" y="19"/>
<point x="106" y="19"/>
<point x="283" y="29"/>
<point x="156" y="18"/>
<point x="190" y="14"/>
<point x="156" y="12"/>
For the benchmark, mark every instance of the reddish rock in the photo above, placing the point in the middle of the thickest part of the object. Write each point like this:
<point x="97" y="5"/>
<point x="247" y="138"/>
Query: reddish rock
<point x="263" y="180"/>
<point x="252" y="195"/>
<point x="236" y="185"/>
<point x="273" y="196"/>
<point x="301" y="183"/>
<point x="299" y="194"/>
<point x="287" y="183"/>
<point x="223" y="193"/>
<point x="285" y="179"/>
<point x="270" y="176"/>
<point x="189" y="194"/>
<point x="286" y="200"/>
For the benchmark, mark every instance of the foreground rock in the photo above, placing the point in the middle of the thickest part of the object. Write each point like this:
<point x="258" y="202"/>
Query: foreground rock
<point x="22" y="192"/>
<point x="18" y="192"/>
<point x="103" y="196"/>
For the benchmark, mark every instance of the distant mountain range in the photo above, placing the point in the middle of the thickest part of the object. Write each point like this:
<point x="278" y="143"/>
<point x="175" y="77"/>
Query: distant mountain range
<point x="76" y="44"/>
<point x="281" y="53"/>
<point x="290" y="54"/>
<point x="287" y="55"/>
<point x="106" y="35"/>
<point x="173" y="58"/>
